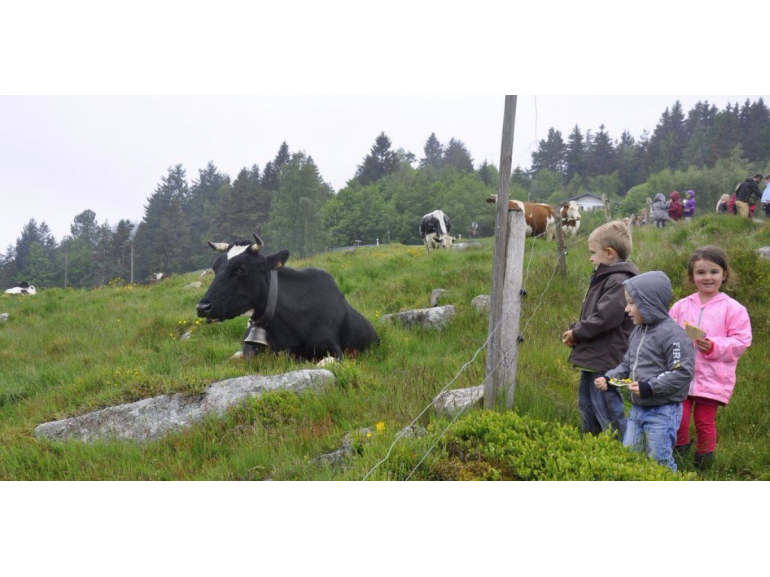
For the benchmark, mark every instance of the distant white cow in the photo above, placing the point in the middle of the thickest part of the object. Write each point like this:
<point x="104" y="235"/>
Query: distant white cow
<point x="23" y="288"/>
<point x="434" y="230"/>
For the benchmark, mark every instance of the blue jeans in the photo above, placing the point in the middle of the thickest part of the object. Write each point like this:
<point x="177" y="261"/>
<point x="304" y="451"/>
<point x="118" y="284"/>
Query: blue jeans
<point x="600" y="410"/>
<point x="652" y="430"/>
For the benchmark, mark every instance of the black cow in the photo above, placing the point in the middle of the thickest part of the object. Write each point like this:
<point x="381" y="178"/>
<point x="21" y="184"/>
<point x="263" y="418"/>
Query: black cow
<point x="302" y="312"/>
<point x="434" y="230"/>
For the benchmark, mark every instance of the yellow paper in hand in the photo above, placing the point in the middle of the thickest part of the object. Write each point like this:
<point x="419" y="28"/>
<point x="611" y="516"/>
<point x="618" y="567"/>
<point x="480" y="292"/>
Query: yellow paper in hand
<point x="693" y="331"/>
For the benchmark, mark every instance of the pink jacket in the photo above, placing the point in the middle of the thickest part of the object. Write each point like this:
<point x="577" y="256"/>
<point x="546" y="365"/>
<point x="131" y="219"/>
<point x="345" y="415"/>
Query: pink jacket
<point x="726" y="323"/>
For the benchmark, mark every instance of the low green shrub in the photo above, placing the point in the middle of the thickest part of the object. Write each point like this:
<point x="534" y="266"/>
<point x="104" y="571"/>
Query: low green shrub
<point x="486" y="445"/>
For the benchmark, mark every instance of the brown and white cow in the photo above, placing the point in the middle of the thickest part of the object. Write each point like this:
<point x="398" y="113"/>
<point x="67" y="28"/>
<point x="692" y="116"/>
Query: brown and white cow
<point x="570" y="218"/>
<point x="539" y="217"/>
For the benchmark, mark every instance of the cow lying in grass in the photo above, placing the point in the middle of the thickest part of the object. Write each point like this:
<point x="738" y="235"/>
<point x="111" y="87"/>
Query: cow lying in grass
<point x="302" y="312"/>
<point x="23" y="288"/>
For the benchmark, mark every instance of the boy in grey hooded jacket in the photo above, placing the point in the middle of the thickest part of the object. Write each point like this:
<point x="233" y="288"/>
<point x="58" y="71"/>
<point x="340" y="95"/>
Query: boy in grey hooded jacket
<point x="660" y="362"/>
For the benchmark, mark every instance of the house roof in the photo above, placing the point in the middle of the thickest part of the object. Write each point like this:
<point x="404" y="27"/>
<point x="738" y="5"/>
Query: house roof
<point x="585" y="195"/>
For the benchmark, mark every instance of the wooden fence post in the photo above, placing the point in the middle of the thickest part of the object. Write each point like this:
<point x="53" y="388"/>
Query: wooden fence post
<point x="649" y="211"/>
<point x="562" y="264"/>
<point x="514" y="271"/>
<point x="606" y="203"/>
<point x="494" y="347"/>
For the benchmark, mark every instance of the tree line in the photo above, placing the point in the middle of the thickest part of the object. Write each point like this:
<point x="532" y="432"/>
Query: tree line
<point x="289" y="205"/>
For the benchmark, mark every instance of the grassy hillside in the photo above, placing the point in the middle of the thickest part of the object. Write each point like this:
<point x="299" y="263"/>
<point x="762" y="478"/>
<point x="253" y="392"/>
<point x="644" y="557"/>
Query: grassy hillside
<point x="65" y="353"/>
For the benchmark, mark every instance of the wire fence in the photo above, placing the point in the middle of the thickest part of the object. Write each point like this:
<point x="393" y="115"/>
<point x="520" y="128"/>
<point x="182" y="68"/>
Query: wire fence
<point x="503" y="360"/>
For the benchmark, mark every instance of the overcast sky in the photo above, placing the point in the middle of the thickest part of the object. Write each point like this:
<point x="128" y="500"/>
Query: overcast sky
<point x="61" y="155"/>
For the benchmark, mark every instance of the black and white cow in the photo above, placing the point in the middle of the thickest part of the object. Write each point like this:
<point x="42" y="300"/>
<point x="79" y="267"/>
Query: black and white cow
<point x="23" y="288"/>
<point x="434" y="230"/>
<point x="302" y="312"/>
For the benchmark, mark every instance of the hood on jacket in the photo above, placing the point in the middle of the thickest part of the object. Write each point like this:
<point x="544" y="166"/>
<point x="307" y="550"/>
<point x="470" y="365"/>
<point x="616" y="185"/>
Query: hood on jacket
<point x="659" y="197"/>
<point x="652" y="295"/>
<point x="622" y="266"/>
<point x="691" y="193"/>
<point x="674" y="195"/>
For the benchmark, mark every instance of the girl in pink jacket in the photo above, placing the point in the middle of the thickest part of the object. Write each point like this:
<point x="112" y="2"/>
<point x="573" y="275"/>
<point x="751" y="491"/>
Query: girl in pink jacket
<point x="727" y="329"/>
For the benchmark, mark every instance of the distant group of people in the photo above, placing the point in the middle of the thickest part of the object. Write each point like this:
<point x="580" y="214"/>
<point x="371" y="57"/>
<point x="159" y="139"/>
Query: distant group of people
<point x="674" y="209"/>
<point x="746" y="196"/>
<point x="675" y="364"/>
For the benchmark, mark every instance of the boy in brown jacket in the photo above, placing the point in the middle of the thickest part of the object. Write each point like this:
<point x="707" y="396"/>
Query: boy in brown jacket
<point x="600" y="338"/>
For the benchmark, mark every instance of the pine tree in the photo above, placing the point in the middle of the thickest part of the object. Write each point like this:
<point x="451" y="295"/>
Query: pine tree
<point x="381" y="161"/>
<point x="456" y="155"/>
<point x="161" y="237"/>
<point x="757" y="136"/>
<point x="551" y="153"/>
<point x="726" y="134"/>
<point x="30" y="234"/>
<point x="40" y="269"/>
<point x="575" y="156"/>
<point x="668" y="141"/>
<point x="601" y="159"/>
<point x="270" y="177"/>
<point x="295" y="216"/>
<point x="282" y="156"/>
<point x="434" y="152"/>
<point x="488" y="174"/>
<point x="8" y="268"/>
<point x="103" y="262"/>
<point x="250" y="206"/>
<point x="629" y="162"/>
<point x="121" y="249"/>
<point x="203" y="190"/>
<point x="698" y="127"/>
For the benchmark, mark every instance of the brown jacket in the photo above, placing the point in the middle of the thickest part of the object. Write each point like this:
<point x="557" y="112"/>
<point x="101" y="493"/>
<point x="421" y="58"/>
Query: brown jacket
<point x="601" y="334"/>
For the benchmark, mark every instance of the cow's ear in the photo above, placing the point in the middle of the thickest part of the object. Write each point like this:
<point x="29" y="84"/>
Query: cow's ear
<point x="277" y="260"/>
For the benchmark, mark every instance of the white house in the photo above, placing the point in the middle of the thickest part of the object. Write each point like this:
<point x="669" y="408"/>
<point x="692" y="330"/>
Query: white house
<point x="588" y="202"/>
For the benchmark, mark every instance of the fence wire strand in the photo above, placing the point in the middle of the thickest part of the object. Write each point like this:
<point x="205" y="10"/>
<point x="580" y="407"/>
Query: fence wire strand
<point x="487" y="343"/>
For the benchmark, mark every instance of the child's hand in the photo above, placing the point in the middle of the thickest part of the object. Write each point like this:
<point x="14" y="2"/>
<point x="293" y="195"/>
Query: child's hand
<point x="568" y="339"/>
<point x="634" y="388"/>
<point x="601" y="383"/>
<point x="704" y="345"/>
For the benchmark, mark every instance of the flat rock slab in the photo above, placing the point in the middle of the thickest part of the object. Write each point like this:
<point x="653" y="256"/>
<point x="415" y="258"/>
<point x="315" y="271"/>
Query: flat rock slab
<point x="150" y="419"/>
<point x="436" y="318"/>
<point x="452" y="402"/>
<point x="194" y="285"/>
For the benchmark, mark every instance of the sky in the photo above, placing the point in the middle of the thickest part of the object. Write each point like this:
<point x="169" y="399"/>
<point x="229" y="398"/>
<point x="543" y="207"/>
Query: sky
<point x="61" y="155"/>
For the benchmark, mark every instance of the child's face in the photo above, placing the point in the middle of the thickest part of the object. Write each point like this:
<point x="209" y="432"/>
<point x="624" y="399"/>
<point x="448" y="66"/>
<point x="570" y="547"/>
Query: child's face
<point x="708" y="277"/>
<point x="632" y="311"/>
<point x="601" y="255"/>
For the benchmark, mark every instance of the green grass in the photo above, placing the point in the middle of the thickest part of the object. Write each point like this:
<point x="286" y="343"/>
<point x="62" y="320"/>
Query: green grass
<point x="65" y="353"/>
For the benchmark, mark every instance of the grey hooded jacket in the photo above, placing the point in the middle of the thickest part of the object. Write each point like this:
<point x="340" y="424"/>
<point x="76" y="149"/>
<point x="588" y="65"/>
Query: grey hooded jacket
<point x="660" y="207"/>
<point x="660" y="355"/>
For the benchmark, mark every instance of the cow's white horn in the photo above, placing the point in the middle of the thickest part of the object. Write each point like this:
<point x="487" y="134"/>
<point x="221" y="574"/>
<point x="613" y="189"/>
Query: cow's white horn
<point x="258" y="244"/>
<point x="220" y="246"/>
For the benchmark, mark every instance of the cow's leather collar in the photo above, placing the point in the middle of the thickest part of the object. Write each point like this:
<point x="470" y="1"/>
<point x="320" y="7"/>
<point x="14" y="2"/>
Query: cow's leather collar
<point x="272" y="300"/>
